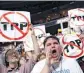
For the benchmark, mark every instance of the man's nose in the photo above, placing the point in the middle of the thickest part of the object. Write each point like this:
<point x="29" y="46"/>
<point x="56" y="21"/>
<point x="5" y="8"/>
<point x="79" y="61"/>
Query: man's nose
<point x="53" y="46"/>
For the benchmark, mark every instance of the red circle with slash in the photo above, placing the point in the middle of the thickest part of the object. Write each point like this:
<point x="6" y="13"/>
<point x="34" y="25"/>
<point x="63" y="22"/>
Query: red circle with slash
<point x="68" y="43"/>
<point x="14" y="25"/>
<point x="78" y="18"/>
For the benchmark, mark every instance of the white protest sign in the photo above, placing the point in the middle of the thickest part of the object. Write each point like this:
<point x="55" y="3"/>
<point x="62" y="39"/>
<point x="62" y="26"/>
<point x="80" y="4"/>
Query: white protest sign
<point x="76" y="21"/>
<point x="40" y="34"/>
<point x="72" y="46"/>
<point x="48" y="34"/>
<point x="28" y="43"/>
<point x="65" y="31"/>
<point x="14" y="25"/>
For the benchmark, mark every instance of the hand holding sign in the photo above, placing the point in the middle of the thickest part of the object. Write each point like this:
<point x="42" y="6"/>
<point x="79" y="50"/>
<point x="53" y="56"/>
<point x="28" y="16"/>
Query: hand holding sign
<point x="32" y="29"/>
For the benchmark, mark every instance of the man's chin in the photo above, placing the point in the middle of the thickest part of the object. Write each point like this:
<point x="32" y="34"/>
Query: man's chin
<point x="54" y="56"/>
<point x="55" y="59"/>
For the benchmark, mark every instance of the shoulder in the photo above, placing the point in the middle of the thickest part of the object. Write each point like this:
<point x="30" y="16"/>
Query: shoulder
<point x="72" y="65"/>
<point x="40" y="63"/>
<point x="69" y="60"/>
<point x="38" y="66"/>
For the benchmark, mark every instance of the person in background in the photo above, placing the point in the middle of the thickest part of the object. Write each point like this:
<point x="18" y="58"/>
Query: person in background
<point x="12" y="63"/>
<point x="4" y="50"/>
<point x="54" y="62"/>
<point x="36" y="50"/>
<point x="12" y="59"/>
<point x="41" y="56"/>
<point x="31" y="56"/>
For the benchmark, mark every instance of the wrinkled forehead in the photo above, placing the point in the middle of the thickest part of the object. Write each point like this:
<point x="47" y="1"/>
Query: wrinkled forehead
<point x="50" y="40"/>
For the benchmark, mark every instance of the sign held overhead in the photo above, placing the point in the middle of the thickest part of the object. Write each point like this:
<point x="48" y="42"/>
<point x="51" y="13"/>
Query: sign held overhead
<point x="14" y="25"/>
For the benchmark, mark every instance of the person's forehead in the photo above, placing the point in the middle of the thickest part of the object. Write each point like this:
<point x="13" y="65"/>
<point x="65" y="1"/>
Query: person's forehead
<point x="51" y="39"/>
<point x="11" y="52"/>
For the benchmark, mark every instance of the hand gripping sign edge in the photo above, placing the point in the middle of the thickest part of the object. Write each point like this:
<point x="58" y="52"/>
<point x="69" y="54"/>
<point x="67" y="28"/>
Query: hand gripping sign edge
<point x="23" y="34"/>
<point x="68" y="43"/>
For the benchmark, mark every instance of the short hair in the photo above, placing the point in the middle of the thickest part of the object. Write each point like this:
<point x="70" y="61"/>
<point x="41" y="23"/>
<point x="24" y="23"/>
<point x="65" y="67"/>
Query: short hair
<point x="52" y="36"/>
<point x="10" y="52"/>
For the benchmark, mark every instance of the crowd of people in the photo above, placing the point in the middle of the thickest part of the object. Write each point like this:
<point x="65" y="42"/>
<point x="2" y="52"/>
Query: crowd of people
<point x="48" y="60"/>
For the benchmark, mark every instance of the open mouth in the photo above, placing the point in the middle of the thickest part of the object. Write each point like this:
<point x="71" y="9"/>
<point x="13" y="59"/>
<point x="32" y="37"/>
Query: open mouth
<point x="53" y="51"/>
<point x="54" y="54"/>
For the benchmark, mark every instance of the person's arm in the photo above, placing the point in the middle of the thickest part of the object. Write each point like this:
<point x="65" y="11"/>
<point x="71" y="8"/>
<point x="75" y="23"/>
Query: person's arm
<point x="46" y="69"/>
<point x="28" y="65"/>
<point x="47" y="66"/>
<point x="43" y="66"/>
<point x="35" y="43"/>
